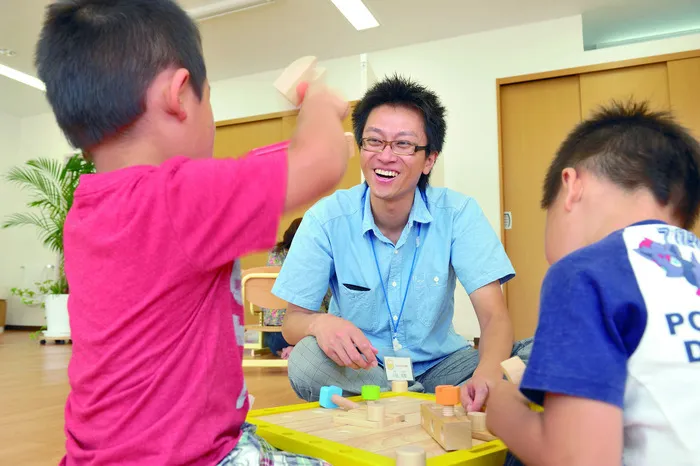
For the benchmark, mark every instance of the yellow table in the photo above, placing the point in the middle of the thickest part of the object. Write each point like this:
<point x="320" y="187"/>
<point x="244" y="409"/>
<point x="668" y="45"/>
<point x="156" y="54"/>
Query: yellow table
<point x="308" y="429"/>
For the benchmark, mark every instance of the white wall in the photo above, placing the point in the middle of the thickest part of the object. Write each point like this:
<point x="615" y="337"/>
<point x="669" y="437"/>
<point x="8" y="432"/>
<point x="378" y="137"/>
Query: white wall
<point x="463" y="71"/>
<point x="9" y="200"/>
<point x="255" y="95"/>
<point x="23" y="258"/>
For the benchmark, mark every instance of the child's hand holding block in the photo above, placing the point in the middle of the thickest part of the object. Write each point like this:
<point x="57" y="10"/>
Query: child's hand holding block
<point x="513" y="369"/>
<point x="300" y="71"/>
<point x="294" y="81"/>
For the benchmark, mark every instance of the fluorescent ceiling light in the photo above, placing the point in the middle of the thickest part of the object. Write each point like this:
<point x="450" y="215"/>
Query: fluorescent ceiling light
<point x="22" y="77"/>
<point x="643" y="38"/>
<point x="224" y="7"/>
<point x="357" y="13"/>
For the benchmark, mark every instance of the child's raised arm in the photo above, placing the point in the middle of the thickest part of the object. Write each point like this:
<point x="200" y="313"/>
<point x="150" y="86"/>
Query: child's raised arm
<point x="222" y="209"/>
<point x="318" y="152"/>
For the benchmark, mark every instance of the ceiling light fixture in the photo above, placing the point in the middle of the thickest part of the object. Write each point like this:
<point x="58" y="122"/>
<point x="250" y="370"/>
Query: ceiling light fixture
<point x="224" y="7"/>
<point x="24" y="78"/>
<point x="357" y="13"/>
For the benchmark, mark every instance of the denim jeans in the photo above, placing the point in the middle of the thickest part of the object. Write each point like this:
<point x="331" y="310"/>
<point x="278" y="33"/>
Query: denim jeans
<point x="310" y="369"/>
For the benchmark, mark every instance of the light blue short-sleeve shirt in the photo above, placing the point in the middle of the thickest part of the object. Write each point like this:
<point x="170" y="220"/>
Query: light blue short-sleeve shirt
<point x="336" y="245"/>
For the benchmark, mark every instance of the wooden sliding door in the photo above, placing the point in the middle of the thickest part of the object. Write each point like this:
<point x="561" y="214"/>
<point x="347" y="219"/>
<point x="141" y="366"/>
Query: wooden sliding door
<point x="236" y="137"/>
<point x="536" y="112"/>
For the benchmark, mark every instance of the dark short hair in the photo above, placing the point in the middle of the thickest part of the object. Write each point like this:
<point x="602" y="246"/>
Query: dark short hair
<point x="634" y="148"/>
<point x="288" y="237"/>
<point x="98" y="58"/>
<point x="397" y="90"/>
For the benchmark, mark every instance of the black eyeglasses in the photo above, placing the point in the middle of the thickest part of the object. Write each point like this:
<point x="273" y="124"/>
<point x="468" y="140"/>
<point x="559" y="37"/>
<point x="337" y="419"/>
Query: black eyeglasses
<point x="397" y="147"/>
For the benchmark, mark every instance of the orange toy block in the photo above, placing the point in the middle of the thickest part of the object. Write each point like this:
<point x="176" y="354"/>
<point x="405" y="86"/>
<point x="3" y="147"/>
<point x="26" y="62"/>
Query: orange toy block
<point x="448" y="397"/>
<point x="440" y="420"/>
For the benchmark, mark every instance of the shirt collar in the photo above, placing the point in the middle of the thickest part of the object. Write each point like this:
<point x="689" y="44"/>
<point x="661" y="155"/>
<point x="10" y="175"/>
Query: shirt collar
<point x="419" y="211"/>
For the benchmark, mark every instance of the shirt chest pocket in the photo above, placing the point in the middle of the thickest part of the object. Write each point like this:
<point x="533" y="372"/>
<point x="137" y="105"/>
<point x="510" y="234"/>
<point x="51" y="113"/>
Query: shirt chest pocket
<point x="359" y="307"/>
<point x="429" y="293"/>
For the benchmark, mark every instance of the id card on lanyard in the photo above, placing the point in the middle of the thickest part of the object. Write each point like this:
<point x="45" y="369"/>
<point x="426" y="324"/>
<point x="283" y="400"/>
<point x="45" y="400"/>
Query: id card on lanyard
<point x="395" y="323"/>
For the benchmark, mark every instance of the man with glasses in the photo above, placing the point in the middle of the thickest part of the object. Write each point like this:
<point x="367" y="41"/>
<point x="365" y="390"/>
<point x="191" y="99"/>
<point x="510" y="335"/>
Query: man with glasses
<point x="391" y="249"/>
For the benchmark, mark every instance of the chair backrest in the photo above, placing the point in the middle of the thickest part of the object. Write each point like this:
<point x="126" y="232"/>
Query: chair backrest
<point x="256" y="287"/>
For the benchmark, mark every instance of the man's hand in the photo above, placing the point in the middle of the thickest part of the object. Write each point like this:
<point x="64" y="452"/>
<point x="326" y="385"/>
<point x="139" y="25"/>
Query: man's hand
<point x="474" y="393"/>
<point x="344" y="343"/>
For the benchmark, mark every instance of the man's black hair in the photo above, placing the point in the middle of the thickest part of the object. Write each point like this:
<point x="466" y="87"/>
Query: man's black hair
<point x="397" y="90"/>
<point x="634" y="148"/>
<point x="98" y="58"/>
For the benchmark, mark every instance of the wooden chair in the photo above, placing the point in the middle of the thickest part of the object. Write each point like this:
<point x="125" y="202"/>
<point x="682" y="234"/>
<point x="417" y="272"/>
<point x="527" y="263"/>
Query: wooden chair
<point x="256" y="290"/>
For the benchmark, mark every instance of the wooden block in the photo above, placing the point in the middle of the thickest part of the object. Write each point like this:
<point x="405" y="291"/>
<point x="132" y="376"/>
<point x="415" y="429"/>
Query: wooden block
<point x="485" y="435"/>
<point x="319" y="73"/>
<point x="350" y="138"/>
<point x="376" y="413"/>
<point x="513" y="369"/>
<point x="303" y="69"/>
<point x="478" y="420"/>
<point x="399" y="386"/>
<point x="344" y="402"/>
<point x="373" y="416"/>
<point x="451" y="432"/>
<point x="479" y="430"/>
<point x="410" y="456"/>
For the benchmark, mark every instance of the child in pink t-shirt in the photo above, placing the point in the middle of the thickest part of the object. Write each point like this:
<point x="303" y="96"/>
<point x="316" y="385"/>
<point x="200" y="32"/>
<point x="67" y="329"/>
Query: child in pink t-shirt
<point x="152" y="239"/>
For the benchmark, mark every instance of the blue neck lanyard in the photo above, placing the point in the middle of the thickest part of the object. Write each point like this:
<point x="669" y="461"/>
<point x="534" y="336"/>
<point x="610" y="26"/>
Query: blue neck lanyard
<point x="395" y="324"/>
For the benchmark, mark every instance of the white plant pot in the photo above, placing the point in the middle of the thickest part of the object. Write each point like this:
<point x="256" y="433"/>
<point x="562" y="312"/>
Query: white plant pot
<point x="57" y="322"/>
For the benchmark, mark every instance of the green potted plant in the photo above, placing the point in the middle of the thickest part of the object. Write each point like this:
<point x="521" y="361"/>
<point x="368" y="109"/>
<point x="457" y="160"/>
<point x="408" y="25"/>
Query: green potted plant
<point x="51" y="185"/>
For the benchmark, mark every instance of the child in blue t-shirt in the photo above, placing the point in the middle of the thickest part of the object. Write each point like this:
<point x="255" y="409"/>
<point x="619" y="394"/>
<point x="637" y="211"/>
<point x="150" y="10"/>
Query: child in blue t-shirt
<point x="616" y="358"/>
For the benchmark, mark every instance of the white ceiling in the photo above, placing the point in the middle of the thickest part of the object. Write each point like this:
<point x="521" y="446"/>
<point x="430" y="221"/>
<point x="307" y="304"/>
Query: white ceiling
<point x="271" y="36"/>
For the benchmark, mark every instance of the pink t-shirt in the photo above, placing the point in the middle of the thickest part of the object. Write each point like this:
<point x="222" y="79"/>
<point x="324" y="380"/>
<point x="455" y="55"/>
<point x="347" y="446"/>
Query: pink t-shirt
<point x="155" y="375"/>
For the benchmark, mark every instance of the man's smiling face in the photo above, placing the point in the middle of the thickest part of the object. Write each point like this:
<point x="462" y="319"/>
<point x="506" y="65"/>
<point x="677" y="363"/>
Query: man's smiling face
<point x="388" y="175"/>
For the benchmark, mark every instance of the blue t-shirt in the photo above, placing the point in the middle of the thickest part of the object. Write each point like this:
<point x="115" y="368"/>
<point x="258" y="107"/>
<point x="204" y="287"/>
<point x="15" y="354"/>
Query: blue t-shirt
<point x="447" y="234"/>
<point x="620" y="323"/>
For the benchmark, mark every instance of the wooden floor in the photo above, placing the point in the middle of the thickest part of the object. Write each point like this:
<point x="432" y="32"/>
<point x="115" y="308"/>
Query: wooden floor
<point x="33" y="390"/>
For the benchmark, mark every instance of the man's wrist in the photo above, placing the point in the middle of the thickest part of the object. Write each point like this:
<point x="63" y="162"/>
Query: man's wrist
<point x="314" y="320"/>
<point x="489" y="369"/>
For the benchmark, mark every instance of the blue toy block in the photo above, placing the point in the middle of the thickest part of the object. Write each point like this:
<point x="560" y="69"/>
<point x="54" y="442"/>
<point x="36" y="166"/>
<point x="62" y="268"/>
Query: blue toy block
<point x="326" y="395"/>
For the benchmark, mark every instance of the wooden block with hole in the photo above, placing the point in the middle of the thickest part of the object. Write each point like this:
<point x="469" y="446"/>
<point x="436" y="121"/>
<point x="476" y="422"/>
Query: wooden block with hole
<point x="405" y="443"/>
<point x="513" y="369"/>
<point x="451" y="432"/>
<point x="445" y="424"/>
<point x="372" y="416"/>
